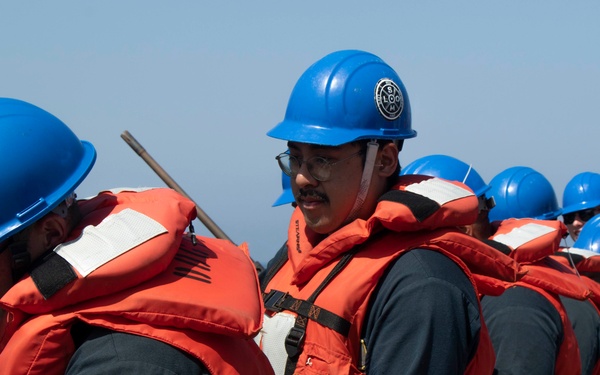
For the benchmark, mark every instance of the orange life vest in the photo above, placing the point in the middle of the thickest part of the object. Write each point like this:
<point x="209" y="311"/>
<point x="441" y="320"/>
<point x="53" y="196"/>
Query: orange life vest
<point x="587" y="264"/>
<point x="330" y="324"/>
<point x="167" y="288"/>
<point x="532" y="242"/>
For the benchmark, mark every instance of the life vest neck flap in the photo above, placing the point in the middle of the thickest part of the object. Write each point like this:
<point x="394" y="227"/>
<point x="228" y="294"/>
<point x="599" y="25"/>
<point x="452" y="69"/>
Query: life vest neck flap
<point x="423" y="202"/>
<point x="421" y="207"/>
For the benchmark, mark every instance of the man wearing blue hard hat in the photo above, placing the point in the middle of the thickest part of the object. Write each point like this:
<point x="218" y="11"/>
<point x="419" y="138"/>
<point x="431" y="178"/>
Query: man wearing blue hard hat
<point x="374" y="277"/>
<point x="544" y="324"/>
<point x="526" y="329"/>
<point x="110" y="284"/>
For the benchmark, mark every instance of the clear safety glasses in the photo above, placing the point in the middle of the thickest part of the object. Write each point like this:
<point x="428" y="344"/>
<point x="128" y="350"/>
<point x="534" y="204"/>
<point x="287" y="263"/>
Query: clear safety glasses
<point x="318" y="167"/>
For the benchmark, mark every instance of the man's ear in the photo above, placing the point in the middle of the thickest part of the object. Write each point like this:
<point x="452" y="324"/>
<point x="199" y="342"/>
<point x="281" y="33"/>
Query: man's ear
<point x="388" y="160"/>
<point x="55" y="231"/>
<point x="49" y="232"/>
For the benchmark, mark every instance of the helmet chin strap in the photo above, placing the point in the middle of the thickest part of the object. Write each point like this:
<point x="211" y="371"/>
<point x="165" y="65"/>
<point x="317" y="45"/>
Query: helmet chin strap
<point x="365" y="181"/>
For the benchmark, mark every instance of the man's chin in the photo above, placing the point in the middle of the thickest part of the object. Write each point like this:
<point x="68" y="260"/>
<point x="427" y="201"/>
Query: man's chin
<point x="317" y="225"/>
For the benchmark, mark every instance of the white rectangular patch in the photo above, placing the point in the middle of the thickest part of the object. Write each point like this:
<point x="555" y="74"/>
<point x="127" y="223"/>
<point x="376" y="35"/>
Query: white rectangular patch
<point x="438" y="190"/>
<point x="522" y="235"/>
<point x="114" y="236"/>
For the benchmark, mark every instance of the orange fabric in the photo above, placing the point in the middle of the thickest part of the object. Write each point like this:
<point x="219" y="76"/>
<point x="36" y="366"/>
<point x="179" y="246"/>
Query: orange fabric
<point x="184" y="297"/>
<point x="550" y="278"/>
<point x="538" y="248"/>
<point x="548" y="282"/>
<point x="310" y="261"/>
<point x="163" y="205"/>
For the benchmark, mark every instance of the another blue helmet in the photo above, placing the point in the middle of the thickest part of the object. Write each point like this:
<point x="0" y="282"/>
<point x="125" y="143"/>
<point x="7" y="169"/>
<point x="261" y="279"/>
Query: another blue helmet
<point x="346" y="96"/>
<point x="41" y="164"/>
<point x="582" y="192"/>
<point x="448" y="168"/>
<point x="589" y="237"/>
<point x="286" y="195"/>
<point x="522" y="192"/>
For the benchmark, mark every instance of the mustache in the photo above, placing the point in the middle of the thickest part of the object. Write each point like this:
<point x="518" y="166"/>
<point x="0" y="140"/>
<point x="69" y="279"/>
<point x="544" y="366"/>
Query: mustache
<point x="306" y="193"/>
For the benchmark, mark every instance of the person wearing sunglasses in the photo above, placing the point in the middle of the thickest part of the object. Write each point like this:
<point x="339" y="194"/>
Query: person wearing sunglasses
<point x="111" y="284"/>
<point x="521" y="311"/>
<point x="584" y="256"/>
<point x="369" y="280"/>
<point x="541" y="325"/>
<point x="581" y="201"/>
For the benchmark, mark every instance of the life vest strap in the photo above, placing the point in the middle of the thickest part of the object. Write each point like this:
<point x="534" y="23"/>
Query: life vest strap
<point x="277" y="301"/>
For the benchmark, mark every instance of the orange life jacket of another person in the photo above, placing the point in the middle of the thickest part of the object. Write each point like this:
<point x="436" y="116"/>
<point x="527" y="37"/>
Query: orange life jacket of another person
<point x="328" y="322"/>
<point x="587" y="264"/>
<point x="531" y="243"/>
<point x="129" y="267"/>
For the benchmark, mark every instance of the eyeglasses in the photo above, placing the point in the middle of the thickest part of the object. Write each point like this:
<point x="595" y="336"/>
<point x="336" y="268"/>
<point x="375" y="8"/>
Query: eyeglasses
<point x="584" y="215"/>
<point x="318" y="167"/>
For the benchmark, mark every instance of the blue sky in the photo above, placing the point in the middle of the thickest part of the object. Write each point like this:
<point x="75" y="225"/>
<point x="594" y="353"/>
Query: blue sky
<point x="496" y="84"/>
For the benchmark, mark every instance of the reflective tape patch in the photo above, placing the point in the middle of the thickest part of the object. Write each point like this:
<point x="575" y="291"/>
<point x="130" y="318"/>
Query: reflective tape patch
<point x="114" y="236"/>
<point x="438" y="190"/>
<point x="272" y="339"/>
<point x="522" y="235"/>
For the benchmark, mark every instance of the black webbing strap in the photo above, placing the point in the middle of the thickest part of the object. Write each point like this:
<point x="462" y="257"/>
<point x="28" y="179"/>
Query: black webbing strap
<point x="295" y="339"/>
<point x="504" y="249"/>
<point x="277" y="301"/>
<point x="52" y="275"/>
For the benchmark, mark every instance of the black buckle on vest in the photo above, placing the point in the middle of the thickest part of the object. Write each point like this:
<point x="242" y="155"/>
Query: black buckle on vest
<point x="273" y="300"/>
<point x="294" y="341"/>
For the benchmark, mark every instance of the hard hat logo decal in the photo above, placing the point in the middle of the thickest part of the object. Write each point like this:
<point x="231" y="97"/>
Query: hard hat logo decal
<point x="389" y="99"/>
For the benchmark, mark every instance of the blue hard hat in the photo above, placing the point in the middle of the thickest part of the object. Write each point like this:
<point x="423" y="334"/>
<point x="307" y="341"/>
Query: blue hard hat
<point x="448" y="168"/>
<point x="582" y="192"/>
<point x="286" y="195"/>
<point x="589" y="237"/>
<point x="522" y="192"/>
<point x="41" y="164"/>
<point x="346" y="96"/>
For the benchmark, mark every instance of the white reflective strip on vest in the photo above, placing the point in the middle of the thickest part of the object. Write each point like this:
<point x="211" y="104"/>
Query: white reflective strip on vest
<point x="115" y="235"/>
<point x="584" y="253"/>
<point x="438" y="190"/>
<point x="271" y="339"/>
<point x="522" y="235"/>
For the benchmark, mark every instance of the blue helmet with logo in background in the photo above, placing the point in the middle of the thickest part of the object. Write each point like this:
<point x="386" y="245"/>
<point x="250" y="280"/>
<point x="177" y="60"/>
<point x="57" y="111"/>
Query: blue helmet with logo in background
<point x="41" y="163"/>
<point x="522" y="192"/>
<point x="346" y="96"/>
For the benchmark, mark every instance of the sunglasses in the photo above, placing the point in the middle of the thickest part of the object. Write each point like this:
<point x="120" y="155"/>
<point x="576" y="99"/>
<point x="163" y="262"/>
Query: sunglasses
<point x="584" y="215"/>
